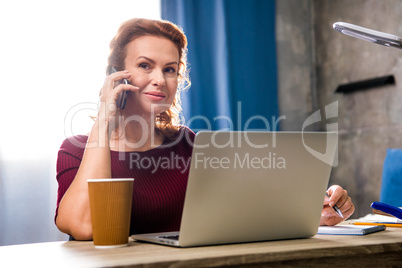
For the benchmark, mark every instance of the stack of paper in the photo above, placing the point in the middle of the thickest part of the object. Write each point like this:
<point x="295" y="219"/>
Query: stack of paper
<point x="349" y="229"/>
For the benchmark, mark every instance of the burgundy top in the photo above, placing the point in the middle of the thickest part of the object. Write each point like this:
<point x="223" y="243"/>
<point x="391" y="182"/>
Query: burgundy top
<point x="160" y="179"/>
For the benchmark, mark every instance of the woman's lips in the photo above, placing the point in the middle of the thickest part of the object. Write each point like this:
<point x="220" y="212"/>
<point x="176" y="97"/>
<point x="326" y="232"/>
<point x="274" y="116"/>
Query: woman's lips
<point x="154" y="95"/>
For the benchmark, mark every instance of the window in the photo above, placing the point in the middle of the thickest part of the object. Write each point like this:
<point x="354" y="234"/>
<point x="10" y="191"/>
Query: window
<point x="53" y="57"/>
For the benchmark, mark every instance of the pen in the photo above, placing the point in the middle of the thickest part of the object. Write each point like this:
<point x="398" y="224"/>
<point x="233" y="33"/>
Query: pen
<point x="337" y="210"/>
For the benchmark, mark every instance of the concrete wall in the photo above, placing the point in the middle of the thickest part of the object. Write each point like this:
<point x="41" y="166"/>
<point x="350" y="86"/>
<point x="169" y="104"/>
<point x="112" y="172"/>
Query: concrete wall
<point x="314" y="59"/>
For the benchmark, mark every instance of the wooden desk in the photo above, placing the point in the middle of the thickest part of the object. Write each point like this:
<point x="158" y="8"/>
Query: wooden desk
<point x="383" y="249"/>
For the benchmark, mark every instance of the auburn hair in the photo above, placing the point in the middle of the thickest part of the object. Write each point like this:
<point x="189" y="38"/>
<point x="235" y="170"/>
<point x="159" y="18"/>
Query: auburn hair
<point x="167" y="122"/>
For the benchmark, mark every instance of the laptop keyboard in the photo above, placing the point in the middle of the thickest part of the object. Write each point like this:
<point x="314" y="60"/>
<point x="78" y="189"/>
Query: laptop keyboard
<point x="173" y="237"/>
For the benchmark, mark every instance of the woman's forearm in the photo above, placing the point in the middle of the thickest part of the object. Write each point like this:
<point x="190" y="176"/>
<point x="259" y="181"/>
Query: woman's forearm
<point x="74" y="215"/>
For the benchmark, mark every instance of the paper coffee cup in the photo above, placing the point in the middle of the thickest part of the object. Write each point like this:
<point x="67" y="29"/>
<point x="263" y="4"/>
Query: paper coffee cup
<point x="110" y="203"/>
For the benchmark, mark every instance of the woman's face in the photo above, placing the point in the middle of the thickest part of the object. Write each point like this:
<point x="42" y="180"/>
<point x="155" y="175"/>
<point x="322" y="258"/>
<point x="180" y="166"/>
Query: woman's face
<point x="153" y="63"/>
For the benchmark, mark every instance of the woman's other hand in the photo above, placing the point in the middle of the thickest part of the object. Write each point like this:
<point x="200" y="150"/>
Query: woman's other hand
<point x="336" y="196"/>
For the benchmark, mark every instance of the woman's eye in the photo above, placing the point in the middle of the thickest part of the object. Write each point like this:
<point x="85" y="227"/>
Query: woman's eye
<point x="144" y="66"/>
<point x="170" y="70"/>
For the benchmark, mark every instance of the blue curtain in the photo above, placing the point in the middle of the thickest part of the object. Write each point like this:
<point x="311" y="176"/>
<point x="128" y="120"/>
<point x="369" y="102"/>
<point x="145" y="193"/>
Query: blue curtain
<point x="232" y="56"/>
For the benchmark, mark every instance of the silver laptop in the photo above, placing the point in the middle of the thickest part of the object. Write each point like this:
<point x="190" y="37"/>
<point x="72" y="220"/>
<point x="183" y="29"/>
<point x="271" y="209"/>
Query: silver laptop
<point x="253" y="186"/>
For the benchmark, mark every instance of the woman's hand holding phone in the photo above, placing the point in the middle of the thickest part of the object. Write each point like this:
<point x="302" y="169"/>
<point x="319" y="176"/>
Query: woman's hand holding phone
<point x="121" y="100"/>
<point x="113" y="89"/>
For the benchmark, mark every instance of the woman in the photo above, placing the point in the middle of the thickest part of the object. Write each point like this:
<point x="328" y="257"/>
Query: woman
<point x="130" y="142"/>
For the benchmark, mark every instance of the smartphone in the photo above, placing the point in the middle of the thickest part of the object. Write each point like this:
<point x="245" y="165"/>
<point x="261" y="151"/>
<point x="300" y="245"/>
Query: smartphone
<point x="366" y="34"/>
<point x="122" y="99"/>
